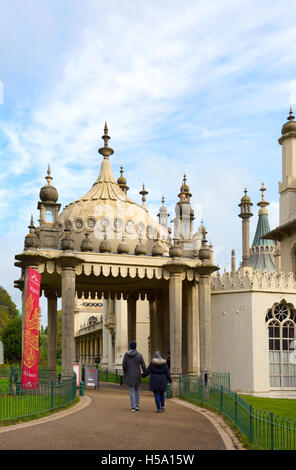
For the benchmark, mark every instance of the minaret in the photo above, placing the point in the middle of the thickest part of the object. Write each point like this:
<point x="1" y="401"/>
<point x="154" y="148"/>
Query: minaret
<point x="287" y="187"/>
<point x="245" y="215"/>
<point x="49" y="211"/>
<point x="233" y="262"/>
<point x="262" y="251"/>
<point x="163" y="214"/>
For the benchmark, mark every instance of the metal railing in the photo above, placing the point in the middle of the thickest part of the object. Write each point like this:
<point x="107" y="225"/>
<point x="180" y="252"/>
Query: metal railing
<point x="265" y="429"/>
<point x="17" y="402"/>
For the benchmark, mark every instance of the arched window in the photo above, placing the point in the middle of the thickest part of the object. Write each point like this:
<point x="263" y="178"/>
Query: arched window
<point x="49" y="216"/>
<point x="281" y="322"/>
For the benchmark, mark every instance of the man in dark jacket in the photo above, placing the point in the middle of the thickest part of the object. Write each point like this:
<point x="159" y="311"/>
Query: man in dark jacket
<point x="160" y="376"/>
<point x="131" y="364"/>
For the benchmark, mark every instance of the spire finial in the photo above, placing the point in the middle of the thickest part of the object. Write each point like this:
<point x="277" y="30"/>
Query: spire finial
<point x="144" y="194"/>
<point x="291" y="117"/>
<point x="163" y="200"/>
<point x="263" y="203"/>
<point x="106" y="151"/>
<point x="48" y="177"/>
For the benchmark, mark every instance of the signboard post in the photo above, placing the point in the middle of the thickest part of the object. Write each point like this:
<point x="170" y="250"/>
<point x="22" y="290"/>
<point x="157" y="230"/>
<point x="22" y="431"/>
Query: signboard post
<point x="30" y="362"/>
<point x="91" y="377"/>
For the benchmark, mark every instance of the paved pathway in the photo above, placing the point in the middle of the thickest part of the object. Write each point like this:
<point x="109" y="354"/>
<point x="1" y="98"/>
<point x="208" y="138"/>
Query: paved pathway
<point x="103" y="420"/>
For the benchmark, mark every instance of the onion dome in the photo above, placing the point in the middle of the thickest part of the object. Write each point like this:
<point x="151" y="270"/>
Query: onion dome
<point x="140" y="248"/>
<point x="175" y="251"/>
<point x="31" y="240"/>
<point x="86" y="244"/>
<point x="48" y="193"/>
<point x="157" y="249"/>
<point x="122" y="181"/>
<point x="289" y="126"/>
<point x="185" y="188"/>
<point x="163" y="209"/>
<point x="245" y="199"/>
<point x="123" y="248"/>
<point x="67" y="243"/>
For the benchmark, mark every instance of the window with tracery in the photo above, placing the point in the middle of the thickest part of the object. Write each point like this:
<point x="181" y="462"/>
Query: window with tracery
<point x="281" y="322"/>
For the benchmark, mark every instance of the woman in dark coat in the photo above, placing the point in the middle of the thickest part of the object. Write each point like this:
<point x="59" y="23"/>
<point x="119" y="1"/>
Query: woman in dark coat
<point x="160" y="376"/>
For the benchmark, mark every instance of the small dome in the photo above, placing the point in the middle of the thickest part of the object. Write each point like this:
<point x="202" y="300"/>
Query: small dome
<point x="245" y="199"/>
<point x="289" y="126"/>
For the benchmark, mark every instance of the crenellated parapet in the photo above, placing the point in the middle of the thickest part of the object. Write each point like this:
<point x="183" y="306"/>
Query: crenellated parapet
<point x="257" y="281"/>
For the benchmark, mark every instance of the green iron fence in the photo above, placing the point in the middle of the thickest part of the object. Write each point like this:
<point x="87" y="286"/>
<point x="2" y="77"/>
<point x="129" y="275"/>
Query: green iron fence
<point x="16" y="402"/>
<point x="266" y="430"/>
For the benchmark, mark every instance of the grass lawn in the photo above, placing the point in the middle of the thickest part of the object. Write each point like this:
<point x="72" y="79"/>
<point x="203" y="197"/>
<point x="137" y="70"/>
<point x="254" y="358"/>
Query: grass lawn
<point x="279" y="406"/>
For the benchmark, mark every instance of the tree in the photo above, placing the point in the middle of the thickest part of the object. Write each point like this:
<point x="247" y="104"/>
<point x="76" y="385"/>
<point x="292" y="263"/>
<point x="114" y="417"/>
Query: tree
<point x="12" y="340"/>
<point x="8" y="309"/>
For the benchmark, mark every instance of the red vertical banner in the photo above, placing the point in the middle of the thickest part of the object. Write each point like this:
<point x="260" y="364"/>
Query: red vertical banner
<point x="30" y="365"/>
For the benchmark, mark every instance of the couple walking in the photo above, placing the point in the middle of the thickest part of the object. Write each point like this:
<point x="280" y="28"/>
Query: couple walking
<point x="132" y="364"/>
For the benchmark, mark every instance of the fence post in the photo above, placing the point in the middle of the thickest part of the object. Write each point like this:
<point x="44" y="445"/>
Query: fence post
<point x="271" y="431"/>
<point x="221" y="398"/>
<point x="10" y="379"/>
<point x="106" y="374"/>
<point x="235" y="408"/>
<point x="251" y="424"/>
<point x="51" y="394"/>
<point x="81" y="389"/>
<point x="116" y="374"/>
<point x="18" y="387"/>
<point x="180" y="385"/>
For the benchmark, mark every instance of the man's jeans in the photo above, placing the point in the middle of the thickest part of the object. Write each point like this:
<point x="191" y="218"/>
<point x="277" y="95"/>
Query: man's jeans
<point x="135" y="396"/>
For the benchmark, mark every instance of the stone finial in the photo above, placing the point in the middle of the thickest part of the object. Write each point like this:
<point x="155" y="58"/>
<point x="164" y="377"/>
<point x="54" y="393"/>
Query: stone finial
<point x="123" y="247"/>
<point x="86" y="244"/>
<point x="204" y="252"/>
<point x="175" y="250"/>
<point x="48" y="193"/>
<point x="105" y="245"/>
<point x="31" y="240"/>
<point x="67" y="243"/>
<point x="140" y="248"/>
<point x="122" y="181"/>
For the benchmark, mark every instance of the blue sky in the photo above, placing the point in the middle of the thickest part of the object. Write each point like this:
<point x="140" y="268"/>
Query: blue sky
<point x="201" y="87"/>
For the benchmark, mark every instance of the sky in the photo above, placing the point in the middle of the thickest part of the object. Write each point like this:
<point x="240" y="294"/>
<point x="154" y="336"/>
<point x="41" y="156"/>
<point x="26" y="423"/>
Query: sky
<point x="193" y="86"/>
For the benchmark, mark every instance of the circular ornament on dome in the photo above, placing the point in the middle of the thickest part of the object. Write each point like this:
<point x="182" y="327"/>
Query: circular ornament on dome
<point x="130" y="226"/>
<point x="68" y="224"/>
<point x="78" y="224"/>
<point x="91" y="223"/>
<point x="117" y="224"/>
<point x="103" y="223"/>
<point x="141" y="228"/>
<point x="150" y="232"/>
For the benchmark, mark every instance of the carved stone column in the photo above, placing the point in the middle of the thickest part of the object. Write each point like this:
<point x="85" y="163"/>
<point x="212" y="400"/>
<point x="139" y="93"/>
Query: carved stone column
<point x="192" y="329"/>
<point x="205" y="310"/>
<point x="104" y="360"/>
<point x="121" y="337"/>
<point x="52" y="331"/>
<point x="132" y="318"/>
<point x="176" y="269"/>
